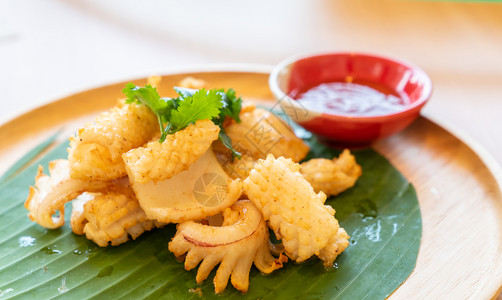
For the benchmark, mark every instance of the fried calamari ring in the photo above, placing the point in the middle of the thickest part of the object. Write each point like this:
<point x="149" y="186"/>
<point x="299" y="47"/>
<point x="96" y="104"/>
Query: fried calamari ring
<point x="52" y="191"/>
<point x="242" y="239"/>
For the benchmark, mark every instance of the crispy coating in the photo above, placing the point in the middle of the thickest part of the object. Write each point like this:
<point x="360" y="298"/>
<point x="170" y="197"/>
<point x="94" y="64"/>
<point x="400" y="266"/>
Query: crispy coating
<point x="259" y="133"/>
<point x="294" y="211"/>
<point x="242" y="239"/>
<point x="332" y="176"/>
<point x="159" y="161"/>
<point x="335" y="246"/>
<point x="52" y="191"/>
<point x="202" y="190"/>
<point x="262" y="132"/>
<point x="110" y="218"/>
<point x="96" y="150"/>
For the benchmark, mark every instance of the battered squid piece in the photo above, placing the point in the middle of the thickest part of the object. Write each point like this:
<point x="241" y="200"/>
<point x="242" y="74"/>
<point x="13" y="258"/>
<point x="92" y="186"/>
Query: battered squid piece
<point x="242" y="239"/>
<point x="110" y="217"/>
<point x="159" y="161"/>
<point x="96" y="150"/>
<point x="294" y="211"/>
<point x="202" y="190"/>
<point x="332" y="176"/>
<point x="52" y="191"/>
<point x="264" y="133"/>
<point x="259" y="133"/>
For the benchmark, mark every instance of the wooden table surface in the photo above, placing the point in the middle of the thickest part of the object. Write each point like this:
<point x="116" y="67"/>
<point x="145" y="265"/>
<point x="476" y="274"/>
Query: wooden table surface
<point x="53" y="48"/>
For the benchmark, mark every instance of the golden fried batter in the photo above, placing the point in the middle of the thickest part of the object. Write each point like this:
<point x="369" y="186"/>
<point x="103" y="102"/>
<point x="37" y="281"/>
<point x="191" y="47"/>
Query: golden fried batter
<point x="259" y="133"/>
<point x="96" y="150"/>
<point x="110" y="218"/>
<point x="294" y="211"/>
<point x="335" y="246"/>
<point x="332" y="176"/>
<point x="159" y="161"/>
<point x="262" y="132"/>
<point x="242" y="239"/>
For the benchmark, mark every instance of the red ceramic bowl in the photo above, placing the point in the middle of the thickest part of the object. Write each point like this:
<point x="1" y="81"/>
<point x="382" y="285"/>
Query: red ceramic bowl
<point x="300" y="73"/>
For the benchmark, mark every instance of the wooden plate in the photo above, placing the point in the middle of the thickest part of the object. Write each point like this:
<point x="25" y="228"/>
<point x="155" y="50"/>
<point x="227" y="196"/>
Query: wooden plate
<point x="459" y="189"/>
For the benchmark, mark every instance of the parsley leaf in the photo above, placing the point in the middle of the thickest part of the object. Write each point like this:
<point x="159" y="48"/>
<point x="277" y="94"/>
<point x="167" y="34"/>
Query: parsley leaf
<point x="149" y="96"/>
<point x="175" y="114"/>
<point x="200" y="106"/>
<point x="231" y="108"/>
<point x="231" y="105"/>
<point x="227" y="142"/>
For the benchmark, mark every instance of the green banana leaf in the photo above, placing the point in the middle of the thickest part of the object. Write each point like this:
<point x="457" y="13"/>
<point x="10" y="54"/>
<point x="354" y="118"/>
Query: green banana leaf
<point x="381" y="214"/>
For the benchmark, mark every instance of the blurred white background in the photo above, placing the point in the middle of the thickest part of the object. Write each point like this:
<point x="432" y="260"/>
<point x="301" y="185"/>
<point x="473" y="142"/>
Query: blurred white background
<point x="53" y="48"/>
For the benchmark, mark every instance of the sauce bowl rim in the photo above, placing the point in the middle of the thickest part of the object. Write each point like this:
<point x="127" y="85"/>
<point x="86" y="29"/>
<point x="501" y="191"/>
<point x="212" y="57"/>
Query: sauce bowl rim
<point x="416" y="105"/>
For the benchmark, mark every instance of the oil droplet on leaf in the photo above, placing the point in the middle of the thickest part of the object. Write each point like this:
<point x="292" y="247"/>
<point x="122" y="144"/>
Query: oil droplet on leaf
<point x="90" y="251"/>
<point x="367" y="208"/>
<point x="106" y="271"/>
<point x="50" y="250"/>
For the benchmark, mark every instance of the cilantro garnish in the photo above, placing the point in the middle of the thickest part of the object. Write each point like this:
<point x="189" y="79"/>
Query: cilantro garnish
<point x="231" y="108"/>
<point x="175" y="114"/>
